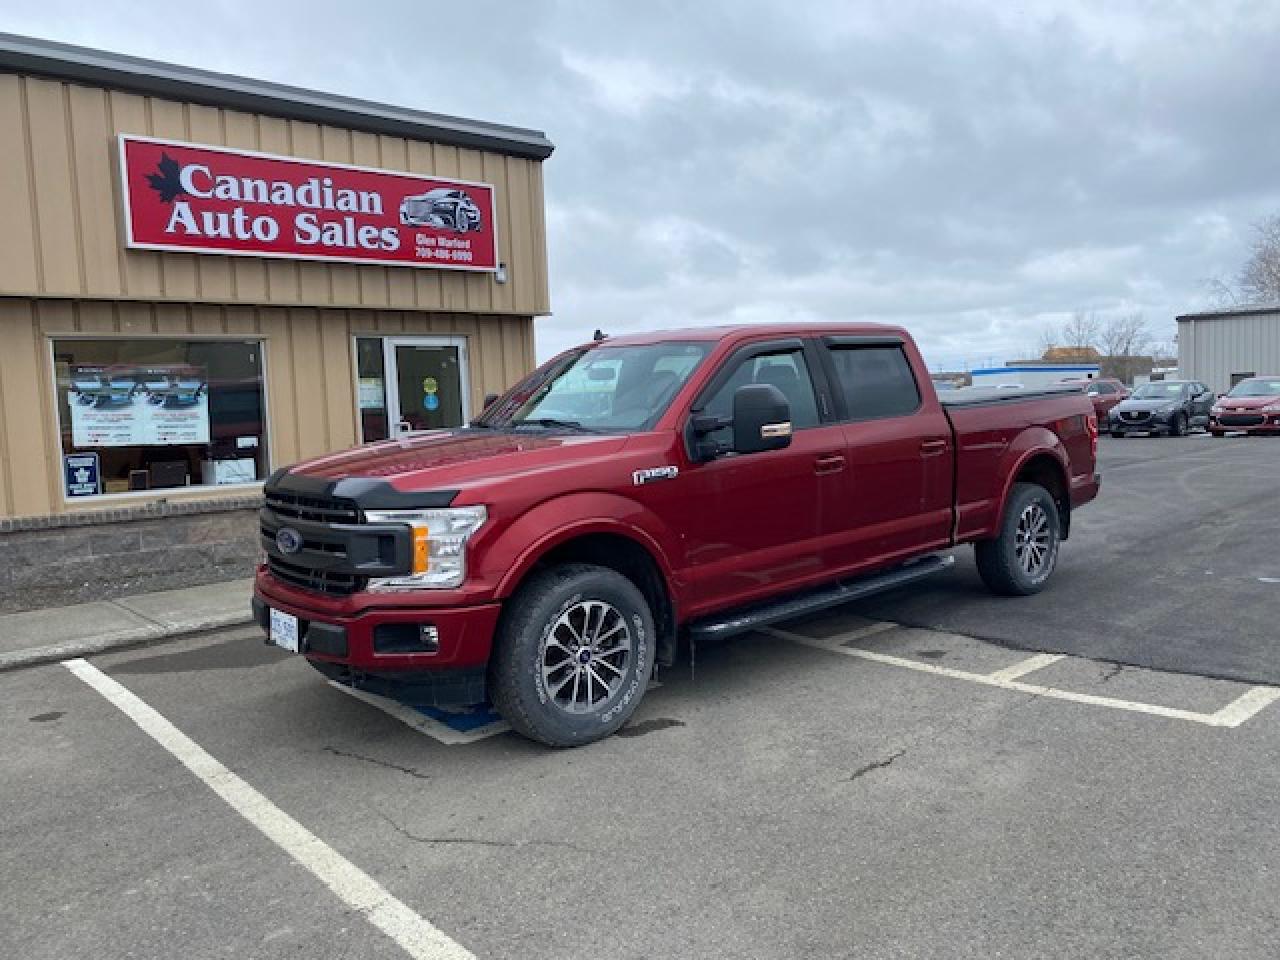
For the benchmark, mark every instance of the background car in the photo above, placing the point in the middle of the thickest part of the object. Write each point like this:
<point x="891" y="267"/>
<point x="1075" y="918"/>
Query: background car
<point x="443" y="207"/>
<point x="1105" y="394"/>
<point x="1170" y="407"/>
<point x="1251" y="406"/>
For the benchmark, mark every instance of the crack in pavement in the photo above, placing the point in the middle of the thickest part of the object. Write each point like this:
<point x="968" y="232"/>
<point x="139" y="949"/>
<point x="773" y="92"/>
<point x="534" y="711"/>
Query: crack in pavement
<point x="1113" y="670"/>
<point x="878" y="765"/>
<point x="417" y="774"/>
<point x="481" y="842"/>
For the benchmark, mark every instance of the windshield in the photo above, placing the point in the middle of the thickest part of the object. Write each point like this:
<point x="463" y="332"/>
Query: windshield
<point x="604" y="388"/>
<point x="1257" y="387"/>
<point x="1158" y="391"/>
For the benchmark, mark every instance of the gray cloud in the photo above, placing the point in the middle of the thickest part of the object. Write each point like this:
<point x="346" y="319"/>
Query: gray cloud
<point x="971" y="172"/>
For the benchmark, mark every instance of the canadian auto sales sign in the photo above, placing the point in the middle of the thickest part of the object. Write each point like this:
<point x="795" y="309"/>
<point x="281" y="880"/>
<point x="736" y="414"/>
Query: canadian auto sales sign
<point x="201" y="199"/>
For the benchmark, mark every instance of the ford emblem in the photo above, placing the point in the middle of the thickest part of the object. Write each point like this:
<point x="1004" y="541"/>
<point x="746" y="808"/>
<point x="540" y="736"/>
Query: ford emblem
<point x="288" y="540"/>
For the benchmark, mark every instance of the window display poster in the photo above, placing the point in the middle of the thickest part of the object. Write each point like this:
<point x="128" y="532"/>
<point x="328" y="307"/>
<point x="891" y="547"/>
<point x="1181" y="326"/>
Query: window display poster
<point x="80" y="471"/>
<point x="126" y="406"/>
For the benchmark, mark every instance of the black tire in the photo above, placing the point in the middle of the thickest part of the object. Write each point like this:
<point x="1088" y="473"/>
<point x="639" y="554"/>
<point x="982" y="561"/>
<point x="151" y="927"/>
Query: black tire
<point x="1178" y="426"/>
<point x="1001" y="563"/>
<point x="527" y="663"/>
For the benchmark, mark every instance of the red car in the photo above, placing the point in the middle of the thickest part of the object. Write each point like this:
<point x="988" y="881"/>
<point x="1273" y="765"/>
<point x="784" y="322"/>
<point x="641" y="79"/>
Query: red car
<point x="1105" y="394"/>
<point x="1252" y="406"/>
<point x="640" y="491"/>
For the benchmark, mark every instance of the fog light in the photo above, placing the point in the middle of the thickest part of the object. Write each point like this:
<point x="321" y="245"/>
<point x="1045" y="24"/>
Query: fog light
<point x="429" y="637"/>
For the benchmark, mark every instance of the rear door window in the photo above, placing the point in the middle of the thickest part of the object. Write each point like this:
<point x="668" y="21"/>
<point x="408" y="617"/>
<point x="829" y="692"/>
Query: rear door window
<point x="877" y="381"/>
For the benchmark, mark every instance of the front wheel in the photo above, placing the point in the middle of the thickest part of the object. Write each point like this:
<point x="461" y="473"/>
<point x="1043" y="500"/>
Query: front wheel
<point x="1179" y="426"/>
<point x="573" y="655"/>
<point x="1023" y="555"/>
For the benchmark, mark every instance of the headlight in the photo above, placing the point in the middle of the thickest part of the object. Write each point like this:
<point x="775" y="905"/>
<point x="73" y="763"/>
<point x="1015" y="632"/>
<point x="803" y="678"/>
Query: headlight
<point x="1271" y="408"/>
<point x="439" y="545"/>
<point x="1215" y="410"/>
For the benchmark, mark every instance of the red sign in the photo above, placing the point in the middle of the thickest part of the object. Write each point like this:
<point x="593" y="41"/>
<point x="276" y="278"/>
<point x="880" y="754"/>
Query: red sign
<point x="198" y="199"/>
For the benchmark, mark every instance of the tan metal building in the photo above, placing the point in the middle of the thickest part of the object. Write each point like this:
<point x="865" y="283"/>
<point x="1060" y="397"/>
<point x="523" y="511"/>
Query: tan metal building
<point x="281" y="358"/>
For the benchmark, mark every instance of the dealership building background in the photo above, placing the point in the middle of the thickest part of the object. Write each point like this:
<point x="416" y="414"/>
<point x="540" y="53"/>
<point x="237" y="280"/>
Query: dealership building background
<point x="1223" y="347"/>
<point x="145" y="393"/>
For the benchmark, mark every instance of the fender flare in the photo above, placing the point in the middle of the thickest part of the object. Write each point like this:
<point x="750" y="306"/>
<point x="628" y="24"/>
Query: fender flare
<point x="544" y="529"/>
<point x="1030" y="444"/>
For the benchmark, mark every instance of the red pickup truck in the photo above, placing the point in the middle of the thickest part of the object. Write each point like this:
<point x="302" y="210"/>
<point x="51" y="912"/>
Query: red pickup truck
<point x="638" y="491"/>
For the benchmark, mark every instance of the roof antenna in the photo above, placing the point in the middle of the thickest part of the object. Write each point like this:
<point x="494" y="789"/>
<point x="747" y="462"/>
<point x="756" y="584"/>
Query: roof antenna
<point x="598" y="335"/>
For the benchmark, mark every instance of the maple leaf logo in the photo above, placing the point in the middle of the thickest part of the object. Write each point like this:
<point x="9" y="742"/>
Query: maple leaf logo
<point x="168" y="181"/>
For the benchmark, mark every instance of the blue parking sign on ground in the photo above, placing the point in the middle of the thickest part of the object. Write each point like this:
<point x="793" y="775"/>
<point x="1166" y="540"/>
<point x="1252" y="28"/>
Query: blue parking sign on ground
<point x="80" y="474"/>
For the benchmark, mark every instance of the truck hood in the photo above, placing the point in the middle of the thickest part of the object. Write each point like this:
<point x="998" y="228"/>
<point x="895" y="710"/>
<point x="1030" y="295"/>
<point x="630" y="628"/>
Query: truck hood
<point x="453" y="458"/>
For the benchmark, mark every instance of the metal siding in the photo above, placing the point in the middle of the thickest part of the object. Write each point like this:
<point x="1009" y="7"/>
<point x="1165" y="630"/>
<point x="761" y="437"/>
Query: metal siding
<point x="63" y="237"/>
<point x="1211" y="350"/>
<point x="308" y="360"/>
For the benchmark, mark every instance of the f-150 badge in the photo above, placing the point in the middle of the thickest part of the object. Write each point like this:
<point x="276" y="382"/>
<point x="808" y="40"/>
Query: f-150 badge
<point x="650" y="474"/>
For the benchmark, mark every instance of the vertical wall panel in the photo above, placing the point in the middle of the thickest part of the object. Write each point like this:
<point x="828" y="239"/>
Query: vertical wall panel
<point x="248" y="274"/>
<point x="51" y="174"/>
<point x="94" y="190"/>
<point x="18" y="240"/>
<point x="24" y="368"/>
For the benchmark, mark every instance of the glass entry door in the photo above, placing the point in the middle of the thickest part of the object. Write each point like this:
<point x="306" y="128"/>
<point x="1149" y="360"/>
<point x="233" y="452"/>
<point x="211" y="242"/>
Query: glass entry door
<point x="411" y="383"/>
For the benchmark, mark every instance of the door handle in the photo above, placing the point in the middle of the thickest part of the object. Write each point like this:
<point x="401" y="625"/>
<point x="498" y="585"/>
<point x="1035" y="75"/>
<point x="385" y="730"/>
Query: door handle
<point x="932" y="448"/>
<point x="828" y="463"/>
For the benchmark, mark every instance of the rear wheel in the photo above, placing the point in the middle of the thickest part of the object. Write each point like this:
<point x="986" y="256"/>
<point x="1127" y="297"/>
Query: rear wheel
<point x="1022" y="557"/>
<point x="573" y="655"/>
<point x="1178" y="428"/>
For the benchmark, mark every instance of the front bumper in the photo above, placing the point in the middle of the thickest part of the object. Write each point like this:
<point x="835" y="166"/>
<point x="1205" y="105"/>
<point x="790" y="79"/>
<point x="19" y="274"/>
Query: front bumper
<point x="1245" y="423"/>
<point x="370" y="639"/>
<point x="1150" y="425"/>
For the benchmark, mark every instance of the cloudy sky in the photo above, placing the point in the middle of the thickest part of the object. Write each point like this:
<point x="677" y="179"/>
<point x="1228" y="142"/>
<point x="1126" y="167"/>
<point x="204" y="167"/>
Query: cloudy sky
<point x="975" y="171"/>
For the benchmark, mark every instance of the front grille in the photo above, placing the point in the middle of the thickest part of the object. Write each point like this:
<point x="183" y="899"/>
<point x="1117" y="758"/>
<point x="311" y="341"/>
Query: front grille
<point x="1242" y="420"/>
<point x="1134" y="415"/>
<point x="297" y="506"/>
<point x="308" y="578"/>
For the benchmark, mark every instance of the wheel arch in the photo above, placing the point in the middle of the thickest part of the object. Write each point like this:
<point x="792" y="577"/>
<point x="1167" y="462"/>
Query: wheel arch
<point x="626" y="551"/>
<point x="1045" y="469"/>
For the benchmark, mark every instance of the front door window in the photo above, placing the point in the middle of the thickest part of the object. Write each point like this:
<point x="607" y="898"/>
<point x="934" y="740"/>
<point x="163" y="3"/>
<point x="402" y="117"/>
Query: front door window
<point x="408" y="384"/>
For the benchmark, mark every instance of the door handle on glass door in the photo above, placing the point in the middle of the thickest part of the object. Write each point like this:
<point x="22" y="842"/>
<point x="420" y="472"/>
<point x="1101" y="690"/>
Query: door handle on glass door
<point x="828" y="463"/>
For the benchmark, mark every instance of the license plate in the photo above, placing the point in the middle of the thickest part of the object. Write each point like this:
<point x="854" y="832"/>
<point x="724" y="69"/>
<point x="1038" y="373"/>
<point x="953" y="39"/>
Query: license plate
<point x="284" y="630"/>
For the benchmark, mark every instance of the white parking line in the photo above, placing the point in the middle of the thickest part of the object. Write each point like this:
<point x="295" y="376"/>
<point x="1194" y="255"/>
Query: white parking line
<point x="1231" y="715"/>
<point x="416" y="936"/>
<point x="1029" y="665"/>
<point x="1250" y="702"/>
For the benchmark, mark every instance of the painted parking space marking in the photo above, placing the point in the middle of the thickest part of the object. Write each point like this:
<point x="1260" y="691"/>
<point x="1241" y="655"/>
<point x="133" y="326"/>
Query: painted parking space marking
<point x="1029" y="665"/>
<point x="411" y="932"/>
<point x="1232" y="715"/>
<point x="450" y="727"/>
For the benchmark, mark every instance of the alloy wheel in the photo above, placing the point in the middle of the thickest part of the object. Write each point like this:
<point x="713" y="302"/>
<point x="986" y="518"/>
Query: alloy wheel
<point x="586" y="656"/>
<point x="1033" y="540"/>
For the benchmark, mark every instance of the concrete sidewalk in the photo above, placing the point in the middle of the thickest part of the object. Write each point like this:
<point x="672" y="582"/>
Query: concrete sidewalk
<point x="56" y="633"/>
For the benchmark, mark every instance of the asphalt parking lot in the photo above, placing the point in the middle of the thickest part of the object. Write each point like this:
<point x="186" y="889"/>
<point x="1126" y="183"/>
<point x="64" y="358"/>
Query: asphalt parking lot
<point x="934" y="774"/>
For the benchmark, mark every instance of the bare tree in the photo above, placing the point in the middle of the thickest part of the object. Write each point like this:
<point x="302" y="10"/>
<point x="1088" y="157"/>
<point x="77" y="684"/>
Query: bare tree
<point x="1081" y="331"/>
<point x="1125" y="342"/>
<point x="1259" y="281"/>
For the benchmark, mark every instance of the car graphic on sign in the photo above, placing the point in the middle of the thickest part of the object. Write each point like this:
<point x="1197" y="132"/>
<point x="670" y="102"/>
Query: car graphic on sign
<point x="445" y="207"/>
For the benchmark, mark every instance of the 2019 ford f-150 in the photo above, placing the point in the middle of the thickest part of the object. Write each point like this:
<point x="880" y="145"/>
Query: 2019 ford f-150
<point x="637" y="491"/>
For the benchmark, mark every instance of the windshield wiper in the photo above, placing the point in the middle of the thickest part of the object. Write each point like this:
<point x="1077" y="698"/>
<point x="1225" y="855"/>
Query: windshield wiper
<point x="551" y="423"/>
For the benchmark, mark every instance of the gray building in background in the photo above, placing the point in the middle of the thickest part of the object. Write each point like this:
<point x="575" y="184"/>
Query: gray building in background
<point x="1222" y="347"/>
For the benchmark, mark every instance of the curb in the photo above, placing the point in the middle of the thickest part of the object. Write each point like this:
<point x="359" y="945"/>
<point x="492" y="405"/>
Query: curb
<point x="140" y="636"/>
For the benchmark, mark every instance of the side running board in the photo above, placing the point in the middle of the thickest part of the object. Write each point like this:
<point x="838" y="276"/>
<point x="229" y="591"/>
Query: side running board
<point x="798" y="605"/>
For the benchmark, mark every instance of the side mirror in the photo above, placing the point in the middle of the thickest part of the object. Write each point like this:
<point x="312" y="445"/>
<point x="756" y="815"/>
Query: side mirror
<point x="761" y="419"/>
<point x="489" y="400"/>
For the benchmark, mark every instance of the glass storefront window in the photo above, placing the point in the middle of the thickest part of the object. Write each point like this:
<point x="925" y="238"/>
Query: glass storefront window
<point x="155" y="413"/>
